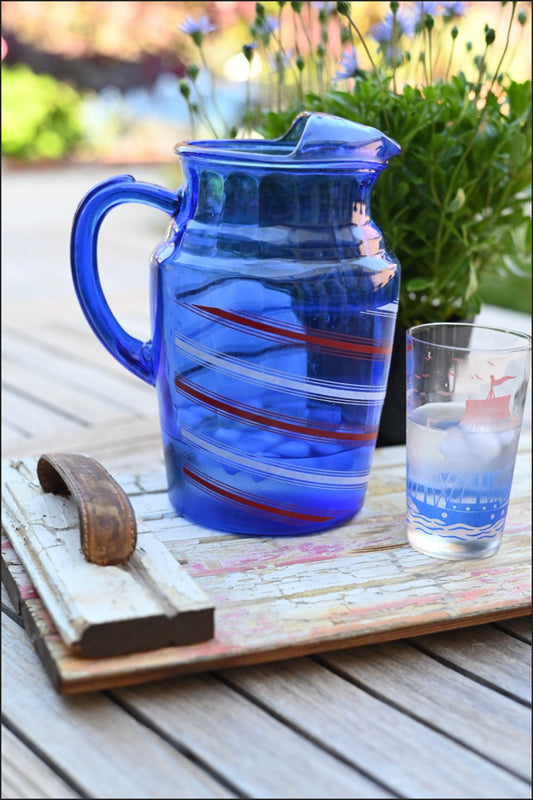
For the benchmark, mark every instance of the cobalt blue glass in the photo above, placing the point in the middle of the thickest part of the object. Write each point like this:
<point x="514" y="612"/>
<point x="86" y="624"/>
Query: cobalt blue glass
<point x="273" y="306"/>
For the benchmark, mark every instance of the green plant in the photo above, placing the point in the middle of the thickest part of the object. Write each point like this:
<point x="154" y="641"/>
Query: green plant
<point x="40" y="115"/>
<point x="455" y="205"/>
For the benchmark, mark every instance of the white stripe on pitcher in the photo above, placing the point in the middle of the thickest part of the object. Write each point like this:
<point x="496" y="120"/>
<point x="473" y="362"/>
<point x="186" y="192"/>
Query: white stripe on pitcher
<point x="331" y="391"/>
<point x="328" y="479"/>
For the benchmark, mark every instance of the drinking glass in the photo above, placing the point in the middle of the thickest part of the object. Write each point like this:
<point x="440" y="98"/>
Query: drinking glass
<point x="466" y="389"/>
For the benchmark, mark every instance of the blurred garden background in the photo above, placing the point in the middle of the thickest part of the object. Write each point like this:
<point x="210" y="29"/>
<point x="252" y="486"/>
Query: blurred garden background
<point x="123" y="82"/>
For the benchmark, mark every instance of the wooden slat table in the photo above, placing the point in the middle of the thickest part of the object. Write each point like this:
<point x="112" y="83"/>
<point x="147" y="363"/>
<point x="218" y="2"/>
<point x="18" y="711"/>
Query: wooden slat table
<point x="439" y="715"/>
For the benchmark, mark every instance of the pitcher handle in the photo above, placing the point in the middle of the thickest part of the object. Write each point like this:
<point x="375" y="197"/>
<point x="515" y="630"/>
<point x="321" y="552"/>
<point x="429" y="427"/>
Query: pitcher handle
<point x="132" y="353"/>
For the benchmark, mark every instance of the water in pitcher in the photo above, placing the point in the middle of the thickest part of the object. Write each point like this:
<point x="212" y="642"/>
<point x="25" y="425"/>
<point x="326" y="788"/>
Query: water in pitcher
<point x="459" y="481"/>
<point x="277" y="394"/>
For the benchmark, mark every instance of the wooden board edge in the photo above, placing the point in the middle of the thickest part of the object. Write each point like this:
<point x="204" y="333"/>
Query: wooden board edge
<point x="30" y="626"/>
<point x="86" y="683"/>
<point x="11" y="586"/>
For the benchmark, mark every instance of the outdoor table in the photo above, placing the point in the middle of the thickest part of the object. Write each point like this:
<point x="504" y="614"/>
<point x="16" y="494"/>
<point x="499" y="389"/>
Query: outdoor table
<point x="443" y="714"/>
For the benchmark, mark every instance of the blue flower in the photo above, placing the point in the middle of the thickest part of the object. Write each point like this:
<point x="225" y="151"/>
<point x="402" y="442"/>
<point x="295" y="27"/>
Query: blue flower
<point x="454" y="9"/>
<point x="437" y="9"/>
<point x="280" y="61"/>
<point x="326" y="8"/>
<point x="268" y="25"/>
<point x="403" y="23"/>
<point x="349" y="65"/>
<point x="197" y="28"/>
<point x="422" y="9"/>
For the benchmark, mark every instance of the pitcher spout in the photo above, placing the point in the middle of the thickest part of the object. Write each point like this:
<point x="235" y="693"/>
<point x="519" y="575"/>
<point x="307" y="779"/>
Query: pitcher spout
<point x="314" y="138"/>
<point x="324" y="137"/>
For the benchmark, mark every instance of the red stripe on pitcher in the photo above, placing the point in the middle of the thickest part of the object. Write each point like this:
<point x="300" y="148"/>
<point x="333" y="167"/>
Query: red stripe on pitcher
<point x="349" y="345"/>
<point x="253" y="502"/>
<point x="285" y="423"/>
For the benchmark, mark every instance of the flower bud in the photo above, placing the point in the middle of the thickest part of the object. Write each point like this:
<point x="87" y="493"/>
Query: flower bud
<point x="345" y="35"/>
<point x="192" y="71"/>
<point x="343" y="9"/>
<point x="490" y="35"/>
<point x="185" y="89"/>
<point x="248" y="50"/>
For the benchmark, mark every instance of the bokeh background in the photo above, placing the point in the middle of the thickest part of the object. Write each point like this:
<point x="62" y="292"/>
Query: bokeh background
<point x="98" y="82"/>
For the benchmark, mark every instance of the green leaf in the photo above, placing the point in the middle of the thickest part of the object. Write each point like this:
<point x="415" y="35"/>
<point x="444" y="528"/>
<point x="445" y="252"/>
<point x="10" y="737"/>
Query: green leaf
<point x="473" y="282"/>
<point x="418" y="284"/>
<point x="457" y="202"/>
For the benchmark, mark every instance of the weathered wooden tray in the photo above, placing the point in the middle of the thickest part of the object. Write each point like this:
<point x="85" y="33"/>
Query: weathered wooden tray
<point x="282" y="597"/>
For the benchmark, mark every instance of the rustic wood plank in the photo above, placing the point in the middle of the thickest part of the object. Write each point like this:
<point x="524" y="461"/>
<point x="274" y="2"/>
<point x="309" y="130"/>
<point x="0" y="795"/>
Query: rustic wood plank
<point x="69" y="336"/>
<point x="12" y="434"/>
<point x="482" y="719"/>
<point x="24" y="775"/>
<point x="32" y="416"/>
<point x="87" y="407"/>
<point x="501" y="660"/>
<point x="6" y="599"/>
<point x="340" y="714"/>
<point x="128" y="393"/>
<point x="109" y="753"/>
<point x="251" y="747"/>
<point x="125" y="446"/>
<point x="518" y="627"/>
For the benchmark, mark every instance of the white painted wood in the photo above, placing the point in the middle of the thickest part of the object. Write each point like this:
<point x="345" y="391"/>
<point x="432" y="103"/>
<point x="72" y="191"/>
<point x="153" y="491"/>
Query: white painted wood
<point x="285" y="596"/>
<point x="82" y="597"/>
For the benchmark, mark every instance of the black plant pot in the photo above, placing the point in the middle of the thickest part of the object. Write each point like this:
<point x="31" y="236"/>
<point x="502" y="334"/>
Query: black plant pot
<point x="392" y="424"/>
<point x="393" y="416"/>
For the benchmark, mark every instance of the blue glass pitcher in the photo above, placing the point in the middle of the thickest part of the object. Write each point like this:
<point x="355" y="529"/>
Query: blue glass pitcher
<point x="273" y="308"/>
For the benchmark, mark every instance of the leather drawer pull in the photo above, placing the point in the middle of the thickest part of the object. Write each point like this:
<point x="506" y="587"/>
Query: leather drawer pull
<point x="108" y="528"/>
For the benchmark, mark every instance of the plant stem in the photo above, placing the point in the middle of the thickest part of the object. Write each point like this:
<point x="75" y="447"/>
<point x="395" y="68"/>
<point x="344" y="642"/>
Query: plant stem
<point x="374" y="68"/>
<point x="297" y="51"/>
<point x="496" y="73"/>
<point x="449" y="62"/>
<point x="363" y="42"/>
<point x="213" y="93"/>
<point x="393" y="44"/>
<point x="430" y="55"/>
